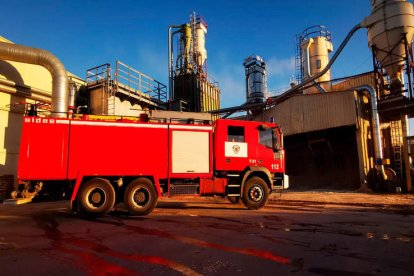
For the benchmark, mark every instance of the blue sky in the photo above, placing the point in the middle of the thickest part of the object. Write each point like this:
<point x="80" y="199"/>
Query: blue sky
<point x="84" y="34"/>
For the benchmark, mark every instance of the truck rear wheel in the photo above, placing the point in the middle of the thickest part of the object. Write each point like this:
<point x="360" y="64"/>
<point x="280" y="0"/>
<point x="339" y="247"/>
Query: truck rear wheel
<point x="140" y="197"/>
<point x="96" y="197"/>
<point x="255" y="193"/>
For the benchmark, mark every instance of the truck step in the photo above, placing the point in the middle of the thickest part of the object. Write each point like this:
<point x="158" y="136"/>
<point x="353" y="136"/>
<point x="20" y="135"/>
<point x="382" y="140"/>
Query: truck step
<point x="233" y="185"/>
<point x="233" y="195"/>
<point x="184" y="189"/>
<point x="277" y="188"/>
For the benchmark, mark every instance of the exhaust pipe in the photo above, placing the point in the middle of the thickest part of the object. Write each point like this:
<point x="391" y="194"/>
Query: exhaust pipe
<point x="60" y="83"/>
<point x="171" y="33"/>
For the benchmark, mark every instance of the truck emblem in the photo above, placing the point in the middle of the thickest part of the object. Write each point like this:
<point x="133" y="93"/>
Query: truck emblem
<point x="236" y="149"/>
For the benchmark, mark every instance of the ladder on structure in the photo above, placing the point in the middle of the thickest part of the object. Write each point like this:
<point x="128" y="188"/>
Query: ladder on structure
<point x="298" y="60"/>
<point x="396" y="143"/>
<point x="110" y="92"/>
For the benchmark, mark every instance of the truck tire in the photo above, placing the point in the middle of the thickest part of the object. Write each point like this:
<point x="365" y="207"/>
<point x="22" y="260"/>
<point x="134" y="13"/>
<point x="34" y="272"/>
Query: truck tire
<point x="140" y="197"/>
<point x="255" y="193"/>
<point x="96" y="197"/>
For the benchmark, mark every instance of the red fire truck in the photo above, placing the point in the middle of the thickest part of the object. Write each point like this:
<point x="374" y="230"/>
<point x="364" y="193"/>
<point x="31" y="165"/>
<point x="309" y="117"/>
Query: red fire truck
<point x="101" y="163"/>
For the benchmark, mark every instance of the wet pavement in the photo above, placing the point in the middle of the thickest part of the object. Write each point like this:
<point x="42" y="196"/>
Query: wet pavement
<point x="188" y="236"/>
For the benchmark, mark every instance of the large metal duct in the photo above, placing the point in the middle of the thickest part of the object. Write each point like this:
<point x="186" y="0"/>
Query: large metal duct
<point x="60" y="83"/>
<point x="376" y="131"/>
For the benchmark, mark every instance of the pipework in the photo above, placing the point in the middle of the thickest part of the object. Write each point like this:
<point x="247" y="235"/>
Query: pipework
<point x="60" y="83"/>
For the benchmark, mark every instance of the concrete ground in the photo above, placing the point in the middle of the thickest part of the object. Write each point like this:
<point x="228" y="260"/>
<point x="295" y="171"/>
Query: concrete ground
<point x="348" y="198"/>
<point x="306" y="233"/>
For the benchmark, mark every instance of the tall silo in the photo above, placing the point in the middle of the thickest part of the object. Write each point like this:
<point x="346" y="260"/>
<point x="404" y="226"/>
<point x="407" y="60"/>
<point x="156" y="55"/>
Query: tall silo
<point x="315" y="45"/>
<point x="256" y="79"/>
<point x="390" y="34"/>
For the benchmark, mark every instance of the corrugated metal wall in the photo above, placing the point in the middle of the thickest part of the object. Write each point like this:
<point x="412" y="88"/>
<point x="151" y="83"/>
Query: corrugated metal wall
<point x="307" y="113"/>
<point x="201" y="95"/>
<point x="354" y="82"/>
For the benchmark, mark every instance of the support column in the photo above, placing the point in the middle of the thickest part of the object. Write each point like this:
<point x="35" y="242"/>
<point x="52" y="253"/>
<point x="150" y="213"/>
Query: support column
<point x="404" y="126"/>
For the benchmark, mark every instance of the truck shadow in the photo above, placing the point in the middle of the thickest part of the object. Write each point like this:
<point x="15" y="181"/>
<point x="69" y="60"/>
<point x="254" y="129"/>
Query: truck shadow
<point x="199" y="205"/>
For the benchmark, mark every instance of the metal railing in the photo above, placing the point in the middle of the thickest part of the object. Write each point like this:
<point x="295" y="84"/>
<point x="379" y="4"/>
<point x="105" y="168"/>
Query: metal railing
<point x="135" y="81"/>
<point x="314" y="31"/>
<point x="101" y="72"/>
<point x="129" y="79"/>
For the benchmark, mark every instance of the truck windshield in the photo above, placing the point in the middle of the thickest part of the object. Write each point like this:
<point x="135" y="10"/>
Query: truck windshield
<point x="266" y="137"/>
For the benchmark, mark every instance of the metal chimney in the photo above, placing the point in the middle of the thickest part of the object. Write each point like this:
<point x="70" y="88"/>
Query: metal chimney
<point x="256" y="79"/>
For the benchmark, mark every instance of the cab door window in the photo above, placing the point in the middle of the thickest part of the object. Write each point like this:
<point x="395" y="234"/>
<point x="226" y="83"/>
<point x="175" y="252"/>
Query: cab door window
<point x="235" y="134"/>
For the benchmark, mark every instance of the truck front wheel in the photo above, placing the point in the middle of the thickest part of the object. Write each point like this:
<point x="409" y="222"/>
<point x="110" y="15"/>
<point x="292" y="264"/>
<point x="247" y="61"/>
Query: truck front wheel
<point x="96" y="197"/>
<point x="255" y="193"/>
<point x="140" y="197"/>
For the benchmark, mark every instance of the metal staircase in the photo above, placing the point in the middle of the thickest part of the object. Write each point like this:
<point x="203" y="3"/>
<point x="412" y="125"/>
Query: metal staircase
<point x="396" y="143"/>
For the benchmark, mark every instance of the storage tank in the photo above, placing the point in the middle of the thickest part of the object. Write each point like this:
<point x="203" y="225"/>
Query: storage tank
<point x="256" y="79"/>
<point x="200" y="43"/>
<point x="390" y="24"/>
<point x="315" y="44"/>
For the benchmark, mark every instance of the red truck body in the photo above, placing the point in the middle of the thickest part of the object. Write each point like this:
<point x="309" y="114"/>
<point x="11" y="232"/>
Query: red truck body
<point x="178" y="159"/>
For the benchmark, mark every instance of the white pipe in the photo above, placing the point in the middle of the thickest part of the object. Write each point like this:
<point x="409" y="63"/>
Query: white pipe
<point x="60" y="84"/>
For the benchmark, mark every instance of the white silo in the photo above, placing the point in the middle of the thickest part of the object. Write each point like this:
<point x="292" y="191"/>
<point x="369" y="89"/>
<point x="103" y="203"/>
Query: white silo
<point x="315" y="44"/>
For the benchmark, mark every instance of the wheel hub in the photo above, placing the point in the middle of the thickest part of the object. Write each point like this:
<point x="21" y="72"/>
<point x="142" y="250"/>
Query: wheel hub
<point x="141" y="197"/>
<point x="256" y="193"/>
<point x="96" y="198"/>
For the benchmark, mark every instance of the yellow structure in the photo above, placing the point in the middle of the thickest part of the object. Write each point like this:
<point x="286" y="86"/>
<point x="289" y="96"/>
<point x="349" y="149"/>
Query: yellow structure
<point x="315" y="47"/>
<point x="20" y="83"/>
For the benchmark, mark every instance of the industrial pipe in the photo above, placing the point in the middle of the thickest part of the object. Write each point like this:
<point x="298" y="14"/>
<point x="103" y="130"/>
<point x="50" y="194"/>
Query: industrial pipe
<point x="10" y="87"/>
<point x="72" y="98"/>
<point x="60" y="84"/>
<point x="171" y="59"/>
<point x="379" y="166"/>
